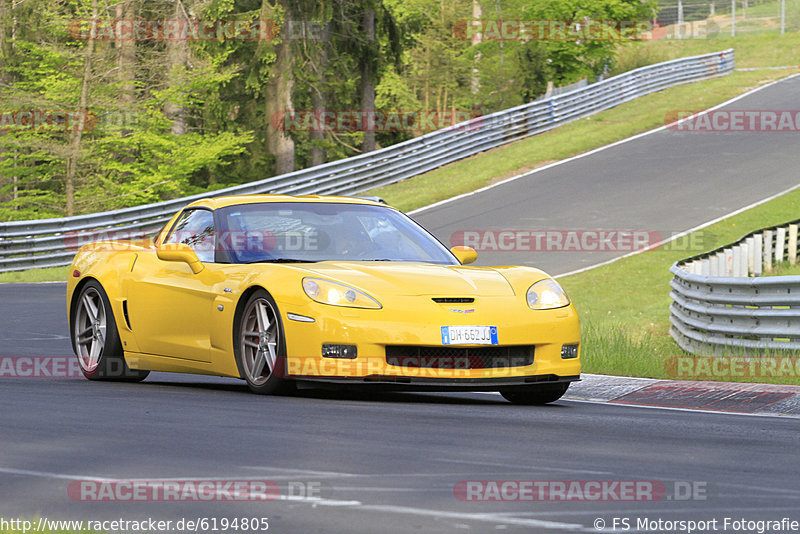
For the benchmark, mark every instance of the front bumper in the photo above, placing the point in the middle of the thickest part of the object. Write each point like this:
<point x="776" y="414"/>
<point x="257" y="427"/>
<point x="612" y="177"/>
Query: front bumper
<point x="417" y="321"/>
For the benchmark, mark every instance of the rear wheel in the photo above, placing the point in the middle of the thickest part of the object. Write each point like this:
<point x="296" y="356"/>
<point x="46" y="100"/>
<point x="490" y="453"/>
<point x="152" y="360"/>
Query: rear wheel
<point x="535" y="395"/>
<point x="95" y="339"/>
<point x="260" y="347"/>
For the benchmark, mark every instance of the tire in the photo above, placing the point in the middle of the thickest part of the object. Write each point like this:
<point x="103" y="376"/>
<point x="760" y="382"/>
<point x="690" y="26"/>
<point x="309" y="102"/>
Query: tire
<point x="95" y="338"/>
<point x="535" y="395"/>
<point x="260" y="347"/>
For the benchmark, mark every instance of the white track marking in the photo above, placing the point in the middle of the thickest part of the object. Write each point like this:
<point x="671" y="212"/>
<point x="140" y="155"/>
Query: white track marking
<point x="566" y="397"/>
<point x="677" y="409"/>
<point x="684" y="233"/>
<point x="46" y="474"/>
<point x="641" y="512"/>
<point x="528" y="468"/>
<point x="300" y="471"/>
<point x="491" y="518"/>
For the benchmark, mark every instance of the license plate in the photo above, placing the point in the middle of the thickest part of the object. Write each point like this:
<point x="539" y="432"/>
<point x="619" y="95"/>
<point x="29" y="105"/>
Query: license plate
<point x="469" y="335"/>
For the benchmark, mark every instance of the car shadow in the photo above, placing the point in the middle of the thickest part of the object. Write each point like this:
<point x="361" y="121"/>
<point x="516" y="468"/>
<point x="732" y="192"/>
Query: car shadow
<point x="329" y="394"/>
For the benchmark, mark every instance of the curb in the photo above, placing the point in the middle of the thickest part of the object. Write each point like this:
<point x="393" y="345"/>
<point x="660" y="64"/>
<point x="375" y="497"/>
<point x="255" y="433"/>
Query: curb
<point x="727" y="397"/>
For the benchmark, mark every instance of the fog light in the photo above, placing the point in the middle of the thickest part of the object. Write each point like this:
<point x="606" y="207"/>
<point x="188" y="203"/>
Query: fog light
<point x="348" y="352"/>
<point x="569" y="351"/>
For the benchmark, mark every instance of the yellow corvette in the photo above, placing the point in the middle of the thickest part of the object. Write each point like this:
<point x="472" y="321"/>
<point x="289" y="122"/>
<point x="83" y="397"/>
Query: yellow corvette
<point x="286" y="291"/>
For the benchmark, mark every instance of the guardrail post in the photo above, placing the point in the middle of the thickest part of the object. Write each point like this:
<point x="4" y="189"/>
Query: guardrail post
<point x="780" y="244"/>
<point x="743" y="260"/>
<point x="767" y="250"/>
<point x="758" y="247"/>
<point x="737" y="261"/>
<point x="729" y="262"/>
<point x="750" y="243"/>
<point x="792" y="244"/>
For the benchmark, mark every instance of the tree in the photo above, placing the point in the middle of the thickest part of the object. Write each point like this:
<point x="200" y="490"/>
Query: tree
<point x="122" y="120"/>
<point x="79" y="150"/>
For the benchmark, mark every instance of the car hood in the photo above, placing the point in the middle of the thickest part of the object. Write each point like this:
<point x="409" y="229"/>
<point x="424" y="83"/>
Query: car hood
<point x="404" y="278"/>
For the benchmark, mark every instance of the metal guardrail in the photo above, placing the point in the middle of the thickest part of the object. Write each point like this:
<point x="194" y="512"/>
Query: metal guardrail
<point x="719" y="308"/>
<point x="53" y="242"/>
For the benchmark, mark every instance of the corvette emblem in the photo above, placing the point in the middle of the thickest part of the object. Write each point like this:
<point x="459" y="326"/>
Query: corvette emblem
<point x="468" y="310"/>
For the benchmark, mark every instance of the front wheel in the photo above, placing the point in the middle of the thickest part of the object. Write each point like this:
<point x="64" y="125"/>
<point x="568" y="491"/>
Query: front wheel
<point x="95" y="339"/>
<point x="259" y="345"/>
<point x="535" y="395"/>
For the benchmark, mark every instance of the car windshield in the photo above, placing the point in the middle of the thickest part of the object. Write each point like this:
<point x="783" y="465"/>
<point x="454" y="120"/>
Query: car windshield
<point x="314" y="231"/>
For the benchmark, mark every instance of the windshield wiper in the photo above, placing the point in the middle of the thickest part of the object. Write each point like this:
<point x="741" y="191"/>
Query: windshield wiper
<point x="281" y="260"/>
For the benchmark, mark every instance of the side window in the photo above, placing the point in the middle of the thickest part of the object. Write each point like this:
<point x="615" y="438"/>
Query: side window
<point x="196" y="229"/>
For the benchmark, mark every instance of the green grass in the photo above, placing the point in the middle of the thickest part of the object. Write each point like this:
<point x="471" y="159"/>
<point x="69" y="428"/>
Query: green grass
<point x="624" y="306"/>
<point x="755" y="14"/>
<point x="784" y="269"/>
<point x="772" y="9"/>
<point x="757" y="50"/>
<point x="47" y="274"/>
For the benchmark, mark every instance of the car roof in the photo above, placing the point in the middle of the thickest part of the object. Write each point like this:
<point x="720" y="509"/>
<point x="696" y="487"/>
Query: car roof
<point x="221" y="202"/>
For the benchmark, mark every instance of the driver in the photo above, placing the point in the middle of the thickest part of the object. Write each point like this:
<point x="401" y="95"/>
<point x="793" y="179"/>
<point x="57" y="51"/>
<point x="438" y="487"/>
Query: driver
<point x="353" y="245"/>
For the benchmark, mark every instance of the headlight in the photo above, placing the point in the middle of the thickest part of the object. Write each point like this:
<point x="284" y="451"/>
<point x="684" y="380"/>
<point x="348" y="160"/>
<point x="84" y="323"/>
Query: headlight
<point x="336" y="294"/>
<point x="546" y="294"/>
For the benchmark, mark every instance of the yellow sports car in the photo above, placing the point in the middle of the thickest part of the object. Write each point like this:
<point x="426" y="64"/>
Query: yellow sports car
<point x="289" y="292"/>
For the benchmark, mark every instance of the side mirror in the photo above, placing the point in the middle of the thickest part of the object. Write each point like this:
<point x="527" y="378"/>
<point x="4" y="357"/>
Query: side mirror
<point x="180" y="252"/>
<point x="464" y="254"/>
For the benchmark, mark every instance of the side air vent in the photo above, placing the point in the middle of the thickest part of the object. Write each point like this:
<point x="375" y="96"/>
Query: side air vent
<point x="125" y="314"/>
<point x="454" y="300"/>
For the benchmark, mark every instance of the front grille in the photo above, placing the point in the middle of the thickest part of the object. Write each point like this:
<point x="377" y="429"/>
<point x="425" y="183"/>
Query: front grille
<point x="459" y="357"/>
<point x="453" y="300"/>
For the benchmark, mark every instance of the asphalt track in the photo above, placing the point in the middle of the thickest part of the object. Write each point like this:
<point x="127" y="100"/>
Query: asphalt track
<point x="383" y="463"/>
<point x="390" y="462"/>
